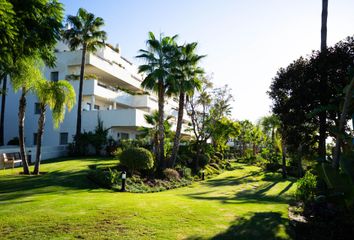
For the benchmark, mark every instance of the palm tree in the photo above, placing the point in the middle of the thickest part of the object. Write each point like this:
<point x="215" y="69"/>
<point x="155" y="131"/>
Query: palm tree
<point x="152" y="133"/>
<point x="323" y="82"/>
<point x="58" y="96"/>
<point x="84" y="32"/>
<point x="26" y="72"/>
<point x="184" y="81"/>
<point x="159" y="58"/>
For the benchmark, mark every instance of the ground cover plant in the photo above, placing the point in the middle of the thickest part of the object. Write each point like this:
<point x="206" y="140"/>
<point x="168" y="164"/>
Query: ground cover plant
<point x="63" y="204"/>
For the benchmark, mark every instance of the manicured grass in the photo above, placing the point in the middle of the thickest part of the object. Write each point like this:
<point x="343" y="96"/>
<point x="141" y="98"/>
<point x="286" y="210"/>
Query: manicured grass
<point x="63" y="204"/>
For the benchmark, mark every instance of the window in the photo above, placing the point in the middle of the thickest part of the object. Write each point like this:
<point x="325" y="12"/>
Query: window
<point x="54" y="76"/>
<point x="64" y="138"/>
<point x="35" y="138"/>
<point x="124" y="135"/>
<point x="96" y="107"/>
<point x="37" y="108"/>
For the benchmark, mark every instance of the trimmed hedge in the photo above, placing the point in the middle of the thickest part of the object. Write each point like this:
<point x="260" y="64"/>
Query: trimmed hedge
<point x="137" y="159"/>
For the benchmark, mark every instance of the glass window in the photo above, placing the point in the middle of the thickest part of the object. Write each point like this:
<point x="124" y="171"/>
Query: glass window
<point x="64" y="138"/>
<point x="96" y="107"/>
<point x="54" y="76"/>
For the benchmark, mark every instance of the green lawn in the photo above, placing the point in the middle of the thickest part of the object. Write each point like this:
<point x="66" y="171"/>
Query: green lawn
<point x="63" y="204"/>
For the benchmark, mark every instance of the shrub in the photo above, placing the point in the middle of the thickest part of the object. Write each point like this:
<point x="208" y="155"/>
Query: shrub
<point x="104" y="178"/>
<point x="184" y="171"/>
<point x="219" y="155"/>
<point x="137" y="159"/>
<point x="111" y="146"/>
<point x="306" y="187"/>
<point x="171" y="174"/>
<point x="203" y="160"/>
<point x="184" y="159"/>
<point x="117" y="152"/>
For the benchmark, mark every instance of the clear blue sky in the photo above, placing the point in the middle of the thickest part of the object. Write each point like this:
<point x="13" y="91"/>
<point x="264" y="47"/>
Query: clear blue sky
<point x="246" y="41"/>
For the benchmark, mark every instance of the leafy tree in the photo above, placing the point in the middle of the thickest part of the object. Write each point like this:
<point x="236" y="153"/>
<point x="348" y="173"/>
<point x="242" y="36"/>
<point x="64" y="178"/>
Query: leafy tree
<point x="84" y="32"/>
<point x="184" y="80"/>
<point x="222" y="131"/>
<point x="57" y="96"/>
<point x="205" y="109"/>
<point x="244" y="138"/>
<point x="296" y="93"/>
<point x="26" y="30"/>
<point x="198" y="108"/>
<point x="159" y="58"/>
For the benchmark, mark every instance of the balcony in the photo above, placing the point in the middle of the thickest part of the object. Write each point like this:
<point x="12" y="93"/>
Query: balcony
<point x="95" y="88"/>
<point x="114" y="118"/>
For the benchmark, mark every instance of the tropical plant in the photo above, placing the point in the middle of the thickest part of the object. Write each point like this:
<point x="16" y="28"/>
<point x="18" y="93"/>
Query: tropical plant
<point x="306" y="187"/>
<point x="25" y="34"/>
<point x="57" y="96"/>
<point x="24" y="79"/>
<point x="152" y="132"/>
<point x="159" y="60"/>
<point x="343" y="117"/>
<point x="184" y="80"/>
<point x="84" y="32"/>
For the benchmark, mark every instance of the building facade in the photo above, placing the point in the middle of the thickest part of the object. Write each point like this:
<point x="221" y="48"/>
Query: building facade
<point x="111" y="91"/>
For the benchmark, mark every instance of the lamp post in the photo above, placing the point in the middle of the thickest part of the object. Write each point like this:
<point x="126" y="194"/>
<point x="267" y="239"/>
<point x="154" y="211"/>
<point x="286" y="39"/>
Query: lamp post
<point x="124" y="177"/>
<point x="203" y="174"/>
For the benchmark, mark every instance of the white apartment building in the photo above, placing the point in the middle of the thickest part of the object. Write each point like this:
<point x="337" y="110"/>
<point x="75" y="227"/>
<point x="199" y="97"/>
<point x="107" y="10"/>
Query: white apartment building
<point x="120" y="111"/>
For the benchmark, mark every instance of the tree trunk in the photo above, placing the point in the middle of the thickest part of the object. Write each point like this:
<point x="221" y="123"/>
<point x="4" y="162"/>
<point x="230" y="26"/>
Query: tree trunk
<point x="3" y="105"/>
<point x="161" y="102"/>
<point x="79" y="104"/>
<point x="323" y="82"/>
<point x="199" y="152"/>
<point x="156" y="144"/>
<point x="346" y="106"/>
<point x="21" y="133"/>
<point x="178" y="129"/>
<point x="283" y="160"/>
<point x="41" y="122"/>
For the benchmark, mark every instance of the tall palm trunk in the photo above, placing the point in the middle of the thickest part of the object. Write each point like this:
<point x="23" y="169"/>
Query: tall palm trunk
<point x="3" y="105"/>
<point x="161" y="150"/>
<point x="79" y="105"/>
<point x="346" y="106"/>
<point x="178" y="129"/>
<point x="323" y="82"/>
<point x="41" y="122"/>
<point x="21" y="133"/>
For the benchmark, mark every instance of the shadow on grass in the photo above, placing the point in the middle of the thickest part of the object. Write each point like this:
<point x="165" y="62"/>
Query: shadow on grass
<point x="263" y="225"/>
<point x="17" y="186"/>
<point x="251" y="195"/>
<point x="229" y="181"/>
